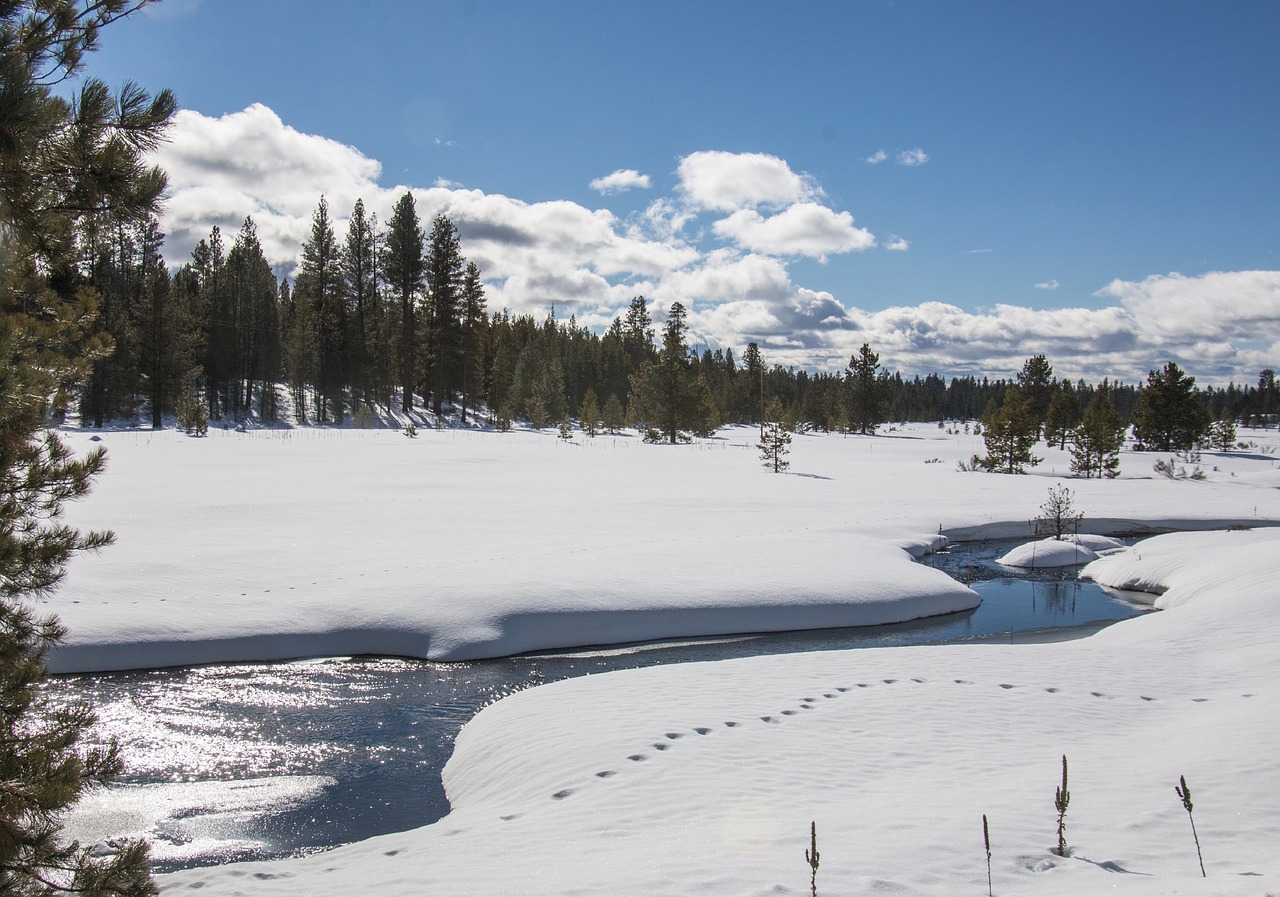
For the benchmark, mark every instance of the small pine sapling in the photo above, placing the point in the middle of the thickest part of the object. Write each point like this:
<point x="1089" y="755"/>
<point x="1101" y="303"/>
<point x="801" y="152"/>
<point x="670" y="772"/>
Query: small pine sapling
<point x="1185" y="793"/>
<point x="811" y="857"/>
<point x="410" y="430"/>
<point x="986" y="840"/>
<point x="1060" y="801"/>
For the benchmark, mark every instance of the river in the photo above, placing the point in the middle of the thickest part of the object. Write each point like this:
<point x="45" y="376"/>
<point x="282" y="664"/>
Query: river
<point x="242" y="761"/>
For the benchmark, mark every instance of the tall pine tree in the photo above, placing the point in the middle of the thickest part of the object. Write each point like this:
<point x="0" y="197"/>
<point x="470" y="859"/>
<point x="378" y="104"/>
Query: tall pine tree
<point x="404" y="267"/>
<point x="60" y="161"/>
<point x="319" y="285"/>
<point x="444" y="272"/>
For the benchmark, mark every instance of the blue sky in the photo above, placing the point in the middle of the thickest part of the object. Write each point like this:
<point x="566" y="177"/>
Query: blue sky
<point x="1068" y="158"/>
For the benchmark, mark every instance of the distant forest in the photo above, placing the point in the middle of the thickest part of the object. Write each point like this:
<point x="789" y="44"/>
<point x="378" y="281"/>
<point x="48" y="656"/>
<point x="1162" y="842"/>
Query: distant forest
<point x="393" y="319"/>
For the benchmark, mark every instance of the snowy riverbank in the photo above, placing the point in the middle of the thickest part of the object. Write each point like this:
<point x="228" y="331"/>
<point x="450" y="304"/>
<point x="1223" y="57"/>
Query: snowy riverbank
<point x="457" y="544"/>
<point x="703" y="778"/>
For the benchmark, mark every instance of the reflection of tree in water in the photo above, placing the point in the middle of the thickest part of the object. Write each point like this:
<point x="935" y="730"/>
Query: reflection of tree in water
<point x="1058" y="598"/>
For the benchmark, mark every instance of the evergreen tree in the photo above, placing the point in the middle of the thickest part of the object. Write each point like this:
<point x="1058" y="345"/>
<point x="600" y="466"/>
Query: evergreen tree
<point x="775" y="441"/>
<point x="1268" y="401"/>
<point x="637" y="334"/>
<point x="1063" y="415"/>
<point x="474" y="325"/>
<point x="404" y="267"/>
<point x="1009" y="433"/>
<point x="866" y="393"/>
<point x="753" y="368"/>
<point x="1170" y="416"/>
<point x="319" y="286"/>
<point x="1097" y="440"/>
<point x="358" y="264"/>
<point x="666" y="392"/>
<point x="613" y="416"/>
<point x="444" y="275"/>
<point x="1036" y="382"/>
<point x="167" y="339"/>
<point x="60" y="161"/>
<point x="257" y="349"/>
<point x="589" y="413"/>
<point x="1222" y="434"/>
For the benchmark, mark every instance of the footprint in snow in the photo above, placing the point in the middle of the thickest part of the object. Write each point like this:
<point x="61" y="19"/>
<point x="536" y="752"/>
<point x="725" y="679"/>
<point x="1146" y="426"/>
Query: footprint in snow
<point x="701" y="730"/>
<point x="562" y="794"/>
<point x="605" y="774"/>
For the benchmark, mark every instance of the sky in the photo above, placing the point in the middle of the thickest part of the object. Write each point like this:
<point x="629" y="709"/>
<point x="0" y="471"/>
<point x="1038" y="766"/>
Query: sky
<point x="959" y="185"/>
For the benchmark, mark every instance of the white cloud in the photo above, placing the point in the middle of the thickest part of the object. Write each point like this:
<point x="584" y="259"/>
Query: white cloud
<point x="877" y="157"/>
<point x="1221" y="306"/>
<point x="1047" y="285"/>
<point x="447" y="184"/>
<point x="620" y="181"/>
<point x="805" y="229"/>
<point x="727" y="182"/>
<point x="734" y="275"/>
<point x="912" y="157"/>
<point x="897" y="244"/>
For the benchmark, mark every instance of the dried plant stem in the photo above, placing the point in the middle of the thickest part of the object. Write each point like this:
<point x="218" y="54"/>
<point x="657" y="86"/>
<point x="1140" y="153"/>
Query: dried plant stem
<point x="1185" y="793"/>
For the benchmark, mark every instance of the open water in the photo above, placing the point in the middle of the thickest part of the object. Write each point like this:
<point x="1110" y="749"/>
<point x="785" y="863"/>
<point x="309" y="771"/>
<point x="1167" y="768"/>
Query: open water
<point x="263" y="760"/>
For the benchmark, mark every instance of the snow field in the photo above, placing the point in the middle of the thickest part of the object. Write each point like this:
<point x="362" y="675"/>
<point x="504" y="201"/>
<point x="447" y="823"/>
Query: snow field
<point x="276" y="544"/>
<point x="703" y="778"/>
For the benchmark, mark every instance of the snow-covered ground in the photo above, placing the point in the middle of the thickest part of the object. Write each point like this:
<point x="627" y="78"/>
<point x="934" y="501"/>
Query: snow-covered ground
<point x="703" y="779"/>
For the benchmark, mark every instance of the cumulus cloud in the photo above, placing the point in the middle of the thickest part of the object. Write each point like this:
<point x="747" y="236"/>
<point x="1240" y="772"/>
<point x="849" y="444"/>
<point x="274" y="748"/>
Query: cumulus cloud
<point x="620" y="181"/>
<point x="877" y="157"/>
<point x="912" y="157"/>
<point x="733" y="274"/>
<point x="1047" y="285"/>
<point x="727" y="182"/>
<point x="1220" y="306"/>
<point x="805" y="229"/>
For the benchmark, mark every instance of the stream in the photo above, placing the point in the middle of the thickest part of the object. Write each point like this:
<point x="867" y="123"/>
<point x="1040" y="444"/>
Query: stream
<point x="253" y="761"/>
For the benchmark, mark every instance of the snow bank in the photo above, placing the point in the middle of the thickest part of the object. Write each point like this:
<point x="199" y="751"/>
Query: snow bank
<point x="278" y="544"/>
<point x="1080" y="549"/>
<point x="703" y="778"/>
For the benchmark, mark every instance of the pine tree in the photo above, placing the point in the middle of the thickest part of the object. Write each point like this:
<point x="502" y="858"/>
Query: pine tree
<point x="257" y="350"/>
<point x="319" y="285"/>
<point x="667" y="393"/>
<point x="1096" y="441"/>
<point x="59" y="162"/>
<point x="589" y="413"/>
<point x="613" y="416"/>
<point x="1009" y="434"/>
<point x="866" y="393"/>
<point x="358" y="264"/>
<point x="444" y="274"/>
<point x="1222" y="434"/>
<point x="1036" y="382"/>
<point x="474" y="324"/>
<point x="1170" y="416"/>
<point x="775" y="441"/>
<point x="1062" y="417"/>
<point x="404" y="267"/>
<point x="637" y="334"/>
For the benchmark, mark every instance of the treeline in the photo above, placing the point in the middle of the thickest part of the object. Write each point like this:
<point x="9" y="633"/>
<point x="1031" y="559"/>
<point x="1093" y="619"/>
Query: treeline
<point x="393" y="318"/>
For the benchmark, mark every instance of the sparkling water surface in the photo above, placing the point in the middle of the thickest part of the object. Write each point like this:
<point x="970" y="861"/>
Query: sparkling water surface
<point x="275" y="759"/>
